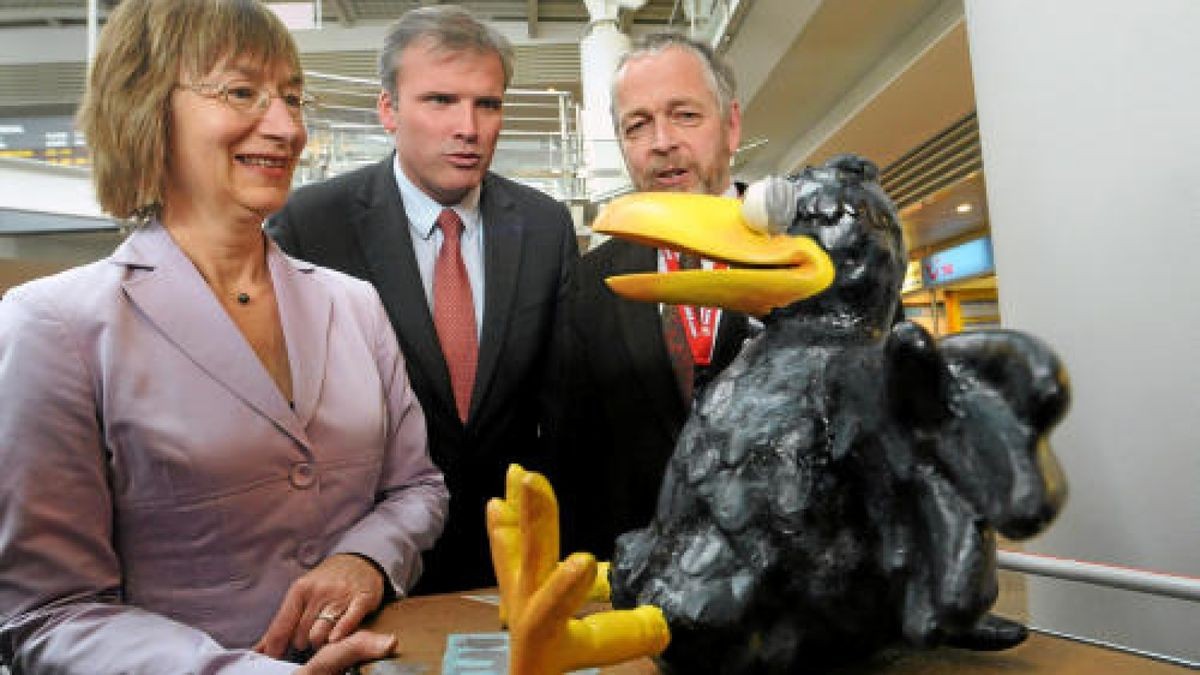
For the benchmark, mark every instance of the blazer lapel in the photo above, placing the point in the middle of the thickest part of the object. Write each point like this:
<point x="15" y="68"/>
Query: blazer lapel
<point x="641" y="330"/>
<point x="732" y="331"/>
<point x="204" y="332"/>
<point x="305" y="310"/>
<point x="502" y="237"/>
<point x="383" y="234"/>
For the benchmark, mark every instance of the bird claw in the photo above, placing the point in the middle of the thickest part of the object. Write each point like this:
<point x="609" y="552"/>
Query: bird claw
<point x="539" y="597"/>
<point x="990" y="633"/>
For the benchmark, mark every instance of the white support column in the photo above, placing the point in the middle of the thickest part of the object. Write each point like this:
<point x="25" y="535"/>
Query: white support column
<point x="602" y="46"/>
<point x="1088" y="117"/>
<point x="93" y="30"/>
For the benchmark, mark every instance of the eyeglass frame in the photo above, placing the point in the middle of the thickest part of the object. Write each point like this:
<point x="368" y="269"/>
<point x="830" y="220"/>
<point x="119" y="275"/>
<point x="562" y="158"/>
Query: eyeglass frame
<point x="221" y="92"/>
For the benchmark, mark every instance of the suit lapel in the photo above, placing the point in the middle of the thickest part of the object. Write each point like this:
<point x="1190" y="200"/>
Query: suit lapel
<point x="305" y="310"/>
<point x="502" y="237"/>
<point x="641" y="329"/>
<point x="383" y="234"/>
<point x="732" y="331"/>
<point x="166" y="281"/>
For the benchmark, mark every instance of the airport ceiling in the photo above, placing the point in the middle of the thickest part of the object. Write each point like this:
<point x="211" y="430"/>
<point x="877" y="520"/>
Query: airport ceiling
<point x="348" y="13"/>
<point x="816" y="77"/>
<point x="54" y="86"/>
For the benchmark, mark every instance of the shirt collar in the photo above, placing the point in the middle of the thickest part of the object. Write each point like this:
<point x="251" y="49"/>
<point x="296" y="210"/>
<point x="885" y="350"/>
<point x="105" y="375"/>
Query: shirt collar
<point x="422" y="210"/>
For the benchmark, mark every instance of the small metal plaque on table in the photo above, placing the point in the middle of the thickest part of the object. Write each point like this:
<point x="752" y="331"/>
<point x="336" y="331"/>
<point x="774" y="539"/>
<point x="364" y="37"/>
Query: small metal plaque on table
<point x="481" y="654"/>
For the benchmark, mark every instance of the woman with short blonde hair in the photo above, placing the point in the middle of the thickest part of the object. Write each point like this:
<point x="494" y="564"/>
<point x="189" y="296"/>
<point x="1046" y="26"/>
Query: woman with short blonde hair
<point x="126" y="108"/>
<point x="213" y="460"/>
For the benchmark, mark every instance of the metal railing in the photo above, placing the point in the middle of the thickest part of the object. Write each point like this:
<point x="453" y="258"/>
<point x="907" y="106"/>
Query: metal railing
<point x="538" y="146"/>
<point x="1111" y="576"/>
<point x="1174" y="586"/>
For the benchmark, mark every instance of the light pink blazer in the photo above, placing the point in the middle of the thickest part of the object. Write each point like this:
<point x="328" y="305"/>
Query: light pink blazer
<point x="157" y="493"/>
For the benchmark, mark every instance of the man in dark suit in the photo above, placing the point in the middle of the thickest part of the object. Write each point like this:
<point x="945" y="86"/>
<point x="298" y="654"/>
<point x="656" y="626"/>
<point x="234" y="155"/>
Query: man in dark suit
<point x="634" y="366"/>
<point x="471" y="267"/>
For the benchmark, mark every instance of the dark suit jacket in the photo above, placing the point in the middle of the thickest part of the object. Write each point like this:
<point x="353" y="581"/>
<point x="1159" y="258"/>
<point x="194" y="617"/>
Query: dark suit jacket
<point x="626" y="409"/>
<point x="356" y="223"/>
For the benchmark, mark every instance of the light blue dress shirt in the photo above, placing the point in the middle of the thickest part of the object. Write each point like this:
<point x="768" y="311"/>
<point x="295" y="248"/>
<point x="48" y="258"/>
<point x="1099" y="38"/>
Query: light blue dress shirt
<point x="422" y="212"/>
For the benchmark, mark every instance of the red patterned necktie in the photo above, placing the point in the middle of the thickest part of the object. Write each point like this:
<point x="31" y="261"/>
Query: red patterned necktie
<point x="675" y="336"/>
<point x="454" y="312"/>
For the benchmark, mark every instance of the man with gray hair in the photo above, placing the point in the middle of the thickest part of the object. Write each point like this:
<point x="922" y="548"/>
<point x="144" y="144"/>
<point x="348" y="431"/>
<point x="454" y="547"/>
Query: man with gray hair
<point x="470" y="266"/>
<point x="635" y="368"/>
<point x="676" y="115"/>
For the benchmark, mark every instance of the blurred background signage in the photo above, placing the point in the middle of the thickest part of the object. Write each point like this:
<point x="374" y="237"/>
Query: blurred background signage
<point x="50" y="139"/>
<point x="970" y="259"/>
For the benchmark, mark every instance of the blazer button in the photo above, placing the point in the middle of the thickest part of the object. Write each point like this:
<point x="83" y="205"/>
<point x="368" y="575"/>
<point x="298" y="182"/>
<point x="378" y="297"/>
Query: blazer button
<point x="308" y="554"/>
<point x="302" y="475"/>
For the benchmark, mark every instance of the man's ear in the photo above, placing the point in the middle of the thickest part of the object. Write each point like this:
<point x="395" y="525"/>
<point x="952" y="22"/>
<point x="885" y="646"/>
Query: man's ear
<point x="387" y="111"/>
<point x="735" y="127"/>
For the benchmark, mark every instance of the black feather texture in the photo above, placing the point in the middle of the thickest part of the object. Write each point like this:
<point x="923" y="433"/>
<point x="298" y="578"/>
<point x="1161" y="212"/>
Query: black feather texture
<point x="838" y="487"/>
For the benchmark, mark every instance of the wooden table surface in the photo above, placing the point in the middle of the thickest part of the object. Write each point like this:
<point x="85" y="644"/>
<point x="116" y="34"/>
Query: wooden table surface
<point x="423" y="623"/>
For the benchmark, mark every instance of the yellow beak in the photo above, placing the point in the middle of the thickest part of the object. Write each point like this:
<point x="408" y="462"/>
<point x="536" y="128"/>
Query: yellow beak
<point x="775" y="270"/>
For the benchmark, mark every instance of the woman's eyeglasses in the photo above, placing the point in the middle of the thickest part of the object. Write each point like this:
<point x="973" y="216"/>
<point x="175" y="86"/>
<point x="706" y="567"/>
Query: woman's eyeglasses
<point x="251" y="99"/>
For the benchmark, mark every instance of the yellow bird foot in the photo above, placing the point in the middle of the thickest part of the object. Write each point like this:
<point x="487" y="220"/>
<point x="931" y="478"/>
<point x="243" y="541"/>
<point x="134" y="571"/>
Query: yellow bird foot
<point x="539" y="597"/>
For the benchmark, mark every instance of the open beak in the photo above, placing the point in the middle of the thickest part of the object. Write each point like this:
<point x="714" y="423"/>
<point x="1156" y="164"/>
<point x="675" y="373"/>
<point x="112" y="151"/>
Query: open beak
<point x="767" y="271"/>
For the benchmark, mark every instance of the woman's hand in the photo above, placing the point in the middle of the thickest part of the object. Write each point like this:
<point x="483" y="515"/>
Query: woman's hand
<point x="336" y="658"/>
<point x="324" y="606"/>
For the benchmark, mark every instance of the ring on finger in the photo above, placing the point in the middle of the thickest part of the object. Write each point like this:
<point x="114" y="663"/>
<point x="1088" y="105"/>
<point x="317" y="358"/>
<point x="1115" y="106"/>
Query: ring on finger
<point x="329" y="615"/>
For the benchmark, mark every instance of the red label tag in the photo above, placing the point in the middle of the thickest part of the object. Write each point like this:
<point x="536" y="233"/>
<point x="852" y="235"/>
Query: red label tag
<point x="699" y="323"/>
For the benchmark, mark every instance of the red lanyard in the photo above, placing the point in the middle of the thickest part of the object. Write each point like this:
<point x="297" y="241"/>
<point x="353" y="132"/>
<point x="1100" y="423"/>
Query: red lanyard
<point x="699" y="323"/>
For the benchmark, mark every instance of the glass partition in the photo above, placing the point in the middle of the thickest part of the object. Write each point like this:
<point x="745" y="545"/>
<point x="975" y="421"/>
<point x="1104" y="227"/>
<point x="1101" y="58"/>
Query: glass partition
<point x="539" y="144"/>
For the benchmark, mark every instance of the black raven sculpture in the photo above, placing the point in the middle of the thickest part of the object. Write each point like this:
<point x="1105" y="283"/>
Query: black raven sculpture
<point x="837" y="489"/>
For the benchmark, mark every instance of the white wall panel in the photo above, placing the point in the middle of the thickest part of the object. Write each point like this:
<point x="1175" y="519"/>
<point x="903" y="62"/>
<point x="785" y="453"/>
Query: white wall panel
<point x="1091" y="143"/>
